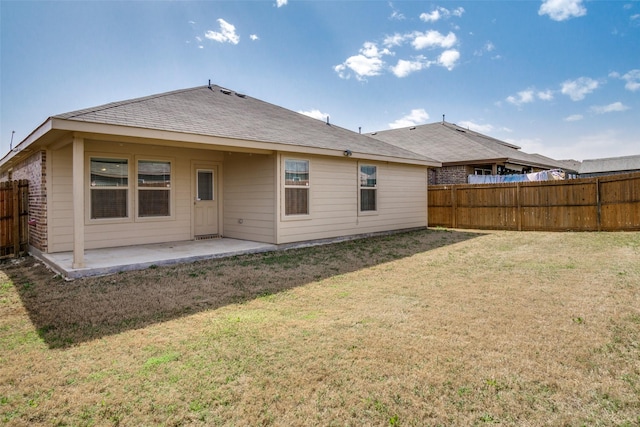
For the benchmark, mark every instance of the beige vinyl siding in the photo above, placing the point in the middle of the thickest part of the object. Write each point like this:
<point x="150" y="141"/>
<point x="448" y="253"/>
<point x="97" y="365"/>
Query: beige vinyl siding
<point x="249" y="197"/>
<point x="60" y="221"/>
<point x="401" y="200"/>
<point x="130" y="231"/>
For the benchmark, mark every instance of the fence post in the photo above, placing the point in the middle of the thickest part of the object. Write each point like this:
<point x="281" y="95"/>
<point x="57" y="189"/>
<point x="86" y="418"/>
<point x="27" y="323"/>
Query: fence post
<point x="599" y="206"/>
<point x="519" y="207"/>
<point x="16" y="218"/>
<point x="454" y="207"/>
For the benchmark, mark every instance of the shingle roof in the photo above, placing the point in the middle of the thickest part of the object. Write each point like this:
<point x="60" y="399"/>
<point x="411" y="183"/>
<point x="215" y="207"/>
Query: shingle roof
<point x="449" y="143"/>
<point x="611" y="164"/>
<point x="216" y="111"/>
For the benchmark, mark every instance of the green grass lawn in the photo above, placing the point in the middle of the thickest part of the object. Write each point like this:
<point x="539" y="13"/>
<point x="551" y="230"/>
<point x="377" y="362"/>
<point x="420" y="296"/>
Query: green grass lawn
<point x="432" y="327"/>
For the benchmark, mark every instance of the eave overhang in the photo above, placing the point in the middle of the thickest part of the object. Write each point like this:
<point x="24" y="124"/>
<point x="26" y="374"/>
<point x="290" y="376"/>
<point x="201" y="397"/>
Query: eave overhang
<point x="498" y="161"/>
<point x="53" y="129"/>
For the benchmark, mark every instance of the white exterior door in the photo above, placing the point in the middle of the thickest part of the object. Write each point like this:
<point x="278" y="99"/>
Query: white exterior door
<point x="205" y="212"/>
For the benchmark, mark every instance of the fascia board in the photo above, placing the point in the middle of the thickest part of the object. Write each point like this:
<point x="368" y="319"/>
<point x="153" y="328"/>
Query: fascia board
<point x="38" y="133"/>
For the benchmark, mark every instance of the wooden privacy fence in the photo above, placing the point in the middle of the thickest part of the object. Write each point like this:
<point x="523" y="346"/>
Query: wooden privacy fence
<point x="14" y="217"/>
<point x="607" y="203"/>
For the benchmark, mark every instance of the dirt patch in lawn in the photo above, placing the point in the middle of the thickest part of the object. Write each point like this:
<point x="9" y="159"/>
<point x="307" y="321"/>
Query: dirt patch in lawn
<point x="424" y="328"/>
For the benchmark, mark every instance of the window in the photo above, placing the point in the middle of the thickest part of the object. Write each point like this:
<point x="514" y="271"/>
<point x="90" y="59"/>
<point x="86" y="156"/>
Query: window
<point x="296" y="187"/>
<point x="368" y="182"/>
<point x="109" y="188"/>
<point x="154" y="188"/>
<point x="482" y="171"/>
<point x="205" y="185"/>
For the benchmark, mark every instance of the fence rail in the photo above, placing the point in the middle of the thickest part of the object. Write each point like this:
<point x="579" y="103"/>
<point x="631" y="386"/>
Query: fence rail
<point x="14" y="218"/>
<point x="607" y="203"/>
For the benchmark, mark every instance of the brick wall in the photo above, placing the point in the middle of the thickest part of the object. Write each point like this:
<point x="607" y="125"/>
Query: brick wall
<point x="452" y="175"/>
<point x="34" y="169"/>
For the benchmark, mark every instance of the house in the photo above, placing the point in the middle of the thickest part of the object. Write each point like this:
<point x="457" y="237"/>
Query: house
<point x="609" y="166"/>
<point x="463" y="152"/>
<point x="205" y="162"/>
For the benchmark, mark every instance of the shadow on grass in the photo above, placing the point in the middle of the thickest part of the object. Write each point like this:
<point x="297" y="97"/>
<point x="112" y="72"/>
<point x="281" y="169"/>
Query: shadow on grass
<point x="68" y="313"/>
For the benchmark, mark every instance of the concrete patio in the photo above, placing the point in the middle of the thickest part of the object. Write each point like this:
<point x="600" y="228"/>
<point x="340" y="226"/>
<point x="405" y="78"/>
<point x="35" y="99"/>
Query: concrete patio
<point x="99" y="262"/>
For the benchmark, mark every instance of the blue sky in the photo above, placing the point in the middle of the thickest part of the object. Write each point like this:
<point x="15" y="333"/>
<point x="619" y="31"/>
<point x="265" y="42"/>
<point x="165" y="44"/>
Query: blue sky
<point x="556" y="77"/>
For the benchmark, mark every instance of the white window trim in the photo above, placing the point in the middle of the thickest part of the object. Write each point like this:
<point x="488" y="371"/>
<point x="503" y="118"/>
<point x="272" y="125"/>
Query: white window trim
<point x="213" y="181"/>
<point x="377" y="188"/>
<point x="283" y="201"/>
<point x="172" y="192"/>
<point x="87" y="195"/>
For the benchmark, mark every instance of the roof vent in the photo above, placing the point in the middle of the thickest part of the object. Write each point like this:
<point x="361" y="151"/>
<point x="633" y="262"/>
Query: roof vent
<point x="241" y="95"/>
<point x="412" y="128"/>
<point x="461" y="130"/>
<point x="225" y="91"/>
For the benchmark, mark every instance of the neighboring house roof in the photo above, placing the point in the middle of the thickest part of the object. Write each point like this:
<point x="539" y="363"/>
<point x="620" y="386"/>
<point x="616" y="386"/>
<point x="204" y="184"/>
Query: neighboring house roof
<point x="452" y="144"/>
<point x="571" y="164"/>
<point x="213" y="111"/>
<point x="611" y="164"/>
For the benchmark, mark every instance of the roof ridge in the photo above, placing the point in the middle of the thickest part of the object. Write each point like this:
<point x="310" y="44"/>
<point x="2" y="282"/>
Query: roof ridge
<point x="482" y="135"/>
<point x="631" y="156"/>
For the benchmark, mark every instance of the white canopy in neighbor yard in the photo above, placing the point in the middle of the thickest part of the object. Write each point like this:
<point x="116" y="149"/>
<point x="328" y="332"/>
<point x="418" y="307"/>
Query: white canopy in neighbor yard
<point x="550" y="175"/>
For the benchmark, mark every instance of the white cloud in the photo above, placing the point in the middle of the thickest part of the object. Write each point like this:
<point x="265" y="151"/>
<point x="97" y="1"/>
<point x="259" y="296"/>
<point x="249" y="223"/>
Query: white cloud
<point x="611" y="108"/>
<point x="371" y="50"/>
<point x="440" y="13"/>
<point x="431" y="17"/>
<point x="458" y="11"/>
<point x="416" y="117"/>
<point x="254" y="37"/>
<point x="394" y="40"/>
<point x="432" y="39"/>
<point x="227" y="33"/>
<point x="574" y="118"/>
<point x="367" y="63"/>
<point x="632" y="78"/>
<point x="561" y="10"/>
<point x="403" y="68"/>
<point x="579" y="88"/>
<point x="522" y="97"/>
<point x="546" y="95"/>
<point x="476" y="127"/>
<point x="449" y="58"/>
<point x="488" y="47"/>
<point x="395" y="15"/>
<point x="316" y="114"/>
<point x="529" y="95"/>
<point x="281" y="3"/>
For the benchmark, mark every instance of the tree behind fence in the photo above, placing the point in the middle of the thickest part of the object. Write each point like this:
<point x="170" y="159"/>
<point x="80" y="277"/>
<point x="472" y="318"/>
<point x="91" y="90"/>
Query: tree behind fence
<point x="14" y="217"/>
<point x="607" y="203"/>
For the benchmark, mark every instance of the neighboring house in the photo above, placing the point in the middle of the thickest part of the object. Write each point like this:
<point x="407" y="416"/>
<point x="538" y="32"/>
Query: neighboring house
<point x="205" y="162"/>
<point x="463" y="152"/>
<point x="609" y="166"/>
